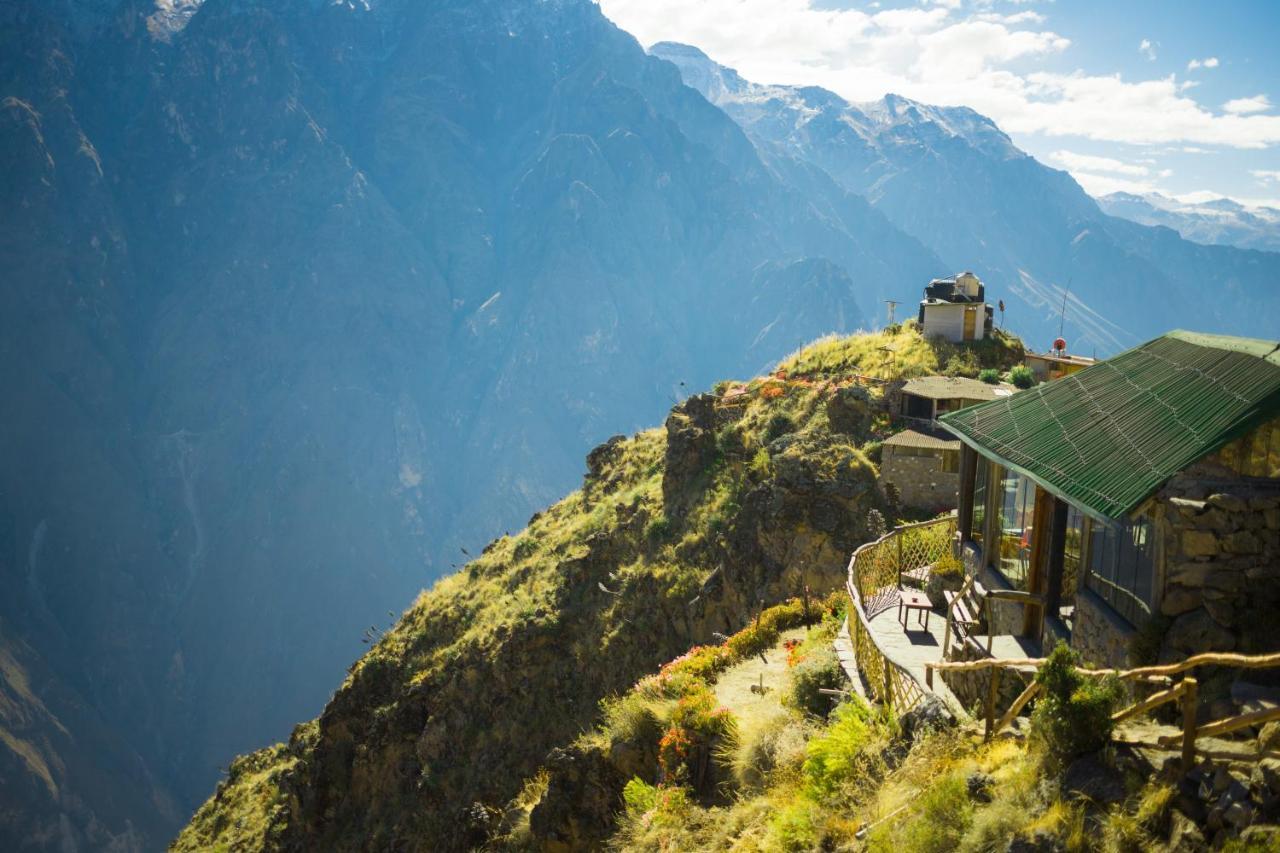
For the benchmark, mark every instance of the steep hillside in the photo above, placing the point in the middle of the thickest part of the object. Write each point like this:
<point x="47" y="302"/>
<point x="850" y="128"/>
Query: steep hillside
<point x="747" y="496"/>
<point x="301" y="298"/>
<point x="951" y="178"/>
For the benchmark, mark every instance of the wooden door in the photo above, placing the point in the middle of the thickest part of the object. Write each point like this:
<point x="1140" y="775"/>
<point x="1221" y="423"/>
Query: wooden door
<point x="970" y="323"/>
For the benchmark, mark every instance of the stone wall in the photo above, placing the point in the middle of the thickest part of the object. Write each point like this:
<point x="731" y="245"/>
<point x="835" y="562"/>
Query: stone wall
<point x="1101" y="637"/>
<point x="971" y="688"/>
<point x="1221" y="585"/>
<point x="920" y="480"/>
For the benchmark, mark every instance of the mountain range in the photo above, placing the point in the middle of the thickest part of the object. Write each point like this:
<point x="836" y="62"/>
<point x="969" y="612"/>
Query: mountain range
<point x="304" y="300"/>
<point x="951" y="178"/>
<point x="1217" y="222"/>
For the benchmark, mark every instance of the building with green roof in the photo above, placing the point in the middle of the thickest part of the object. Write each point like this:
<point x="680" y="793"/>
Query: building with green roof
<point x="1143" y="490"/>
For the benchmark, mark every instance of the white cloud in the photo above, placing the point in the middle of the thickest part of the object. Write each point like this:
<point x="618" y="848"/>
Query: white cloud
<point x="1208" y="62"/>
<point x="1088" y="162"/>
<point x="1244" y="106"/>
<point x="1265" y="176"/>
<point x="1148" y="49"/>
<point x="940" y="56"/>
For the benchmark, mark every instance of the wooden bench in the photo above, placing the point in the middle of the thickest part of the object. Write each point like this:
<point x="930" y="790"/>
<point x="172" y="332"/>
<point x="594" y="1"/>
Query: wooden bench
<point x="964" y="608"/>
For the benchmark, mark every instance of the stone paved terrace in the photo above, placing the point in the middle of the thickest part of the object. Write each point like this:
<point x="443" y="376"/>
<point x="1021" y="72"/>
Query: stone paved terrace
<point x="911" y="647"/>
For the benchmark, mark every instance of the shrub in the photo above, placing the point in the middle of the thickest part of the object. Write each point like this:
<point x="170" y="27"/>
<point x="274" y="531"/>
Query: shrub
<point x="820" y="669"/>
<point x="631" y="718"/>
<point x="1022" y="377"/>
<point x="942" y="815"/>
<point x="963" y="363"/>
<point x="659" y="529"/>
<point x="1073" y="717"/>
<point x="989" y="375"/>
<point x="948" y="566"/>
<point x="792" y="826"/>
<point x="729" y="441"/>
<point x="640" y="796"/>
<point x="760" y="463"/>
<point x="696" y="725"/>
<point x="837" y="755"/>
<point x="701" y="662"/>
<point x="774" y="742"/>
<point x="778" y="426"/>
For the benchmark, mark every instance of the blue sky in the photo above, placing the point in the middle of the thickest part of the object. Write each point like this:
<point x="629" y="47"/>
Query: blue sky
<point x="1176" y="97"/>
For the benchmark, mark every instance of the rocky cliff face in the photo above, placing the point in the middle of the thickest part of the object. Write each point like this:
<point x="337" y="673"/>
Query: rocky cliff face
<point x="301" y="298"/>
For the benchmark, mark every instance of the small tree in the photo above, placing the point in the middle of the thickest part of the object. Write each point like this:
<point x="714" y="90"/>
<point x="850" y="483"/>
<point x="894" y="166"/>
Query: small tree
<point x="1074" y="716"/>
<point x="1022" y="376"/>
<point x="875" y="524"/>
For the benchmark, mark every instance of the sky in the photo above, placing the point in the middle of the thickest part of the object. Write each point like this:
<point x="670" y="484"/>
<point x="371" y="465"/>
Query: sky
<point x="1181" y="98"/>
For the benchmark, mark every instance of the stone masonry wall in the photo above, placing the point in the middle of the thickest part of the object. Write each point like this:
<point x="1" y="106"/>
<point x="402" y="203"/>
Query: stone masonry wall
<point x="1101" y="637"/>
<point x="920" y="481"/>
<point x="1221" y="586"/>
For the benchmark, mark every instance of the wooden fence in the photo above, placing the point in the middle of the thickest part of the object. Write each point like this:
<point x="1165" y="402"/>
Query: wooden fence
<point x="875" y="572"/>
<point x="1185" y="692"/>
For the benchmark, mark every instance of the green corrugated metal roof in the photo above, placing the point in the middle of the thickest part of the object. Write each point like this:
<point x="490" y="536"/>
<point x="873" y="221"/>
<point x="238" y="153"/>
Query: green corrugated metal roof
<point x="1108" y="436"/>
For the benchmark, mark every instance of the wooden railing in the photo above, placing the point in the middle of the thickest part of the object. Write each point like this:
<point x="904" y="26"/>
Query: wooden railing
<point x="877" y="567"/>
<point x="875" y="571"/>
<point x="1185" y="692"/>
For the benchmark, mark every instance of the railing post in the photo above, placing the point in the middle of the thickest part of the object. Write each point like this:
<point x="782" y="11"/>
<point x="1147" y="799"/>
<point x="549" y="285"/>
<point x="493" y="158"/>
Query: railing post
<point x="898" y="537"/>
<point x="993" y="689"/>
<point x="1190" y="699"/>
<point x="887" y="699"/>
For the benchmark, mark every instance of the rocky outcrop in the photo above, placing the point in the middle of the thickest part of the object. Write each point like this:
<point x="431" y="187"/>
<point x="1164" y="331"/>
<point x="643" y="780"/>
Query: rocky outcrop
<point x="578" y="810"/>
<point x="691" y="448"/>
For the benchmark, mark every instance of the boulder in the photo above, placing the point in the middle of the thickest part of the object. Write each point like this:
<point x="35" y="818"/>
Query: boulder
<point x="1184" y="835"/>
<point x="1269" y="737"/>
<point x="849" y="410"/>
<point x="1195" y="632"/>
<point x="929" y="714"/>
<point x="603" y="455"/>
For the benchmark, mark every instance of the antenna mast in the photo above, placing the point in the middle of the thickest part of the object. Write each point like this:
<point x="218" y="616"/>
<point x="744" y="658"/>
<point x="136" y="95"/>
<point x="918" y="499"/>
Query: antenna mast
<point x="892" y="305"/>
<point x="1062" y="318"/>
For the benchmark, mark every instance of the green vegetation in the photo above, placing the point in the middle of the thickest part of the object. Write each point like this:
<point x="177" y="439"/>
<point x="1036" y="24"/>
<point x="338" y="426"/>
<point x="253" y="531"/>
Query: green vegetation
<point x="1074" y="716"/>
<point x="1022" y="377"/>
<point x="989" y="375"/>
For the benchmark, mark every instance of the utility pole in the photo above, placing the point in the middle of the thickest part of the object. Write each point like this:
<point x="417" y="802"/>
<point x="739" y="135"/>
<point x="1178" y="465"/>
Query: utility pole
<point x="892" y="305"/>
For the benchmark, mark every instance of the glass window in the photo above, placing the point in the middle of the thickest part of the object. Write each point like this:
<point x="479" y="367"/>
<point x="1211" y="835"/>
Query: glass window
<point x="1072" y="551"/>
<point x="979" y="499"/>
<point x="1015" y="504"/>
<point x="1122" y="566"/>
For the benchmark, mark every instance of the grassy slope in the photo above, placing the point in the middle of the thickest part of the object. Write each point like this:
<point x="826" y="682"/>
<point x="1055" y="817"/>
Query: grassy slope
<point x="453" y="708"/>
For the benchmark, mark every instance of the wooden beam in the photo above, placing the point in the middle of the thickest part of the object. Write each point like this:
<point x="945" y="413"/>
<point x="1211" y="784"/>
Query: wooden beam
<point x="993" y="693"/>
<point x="1153" y="701"/>
<point x="968" y="470"/>
<point x="1056" y="559"/>
<point x="1041" y="521"/>
<point x="1018" y="704"/>
<point x="1190" y="701"/>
